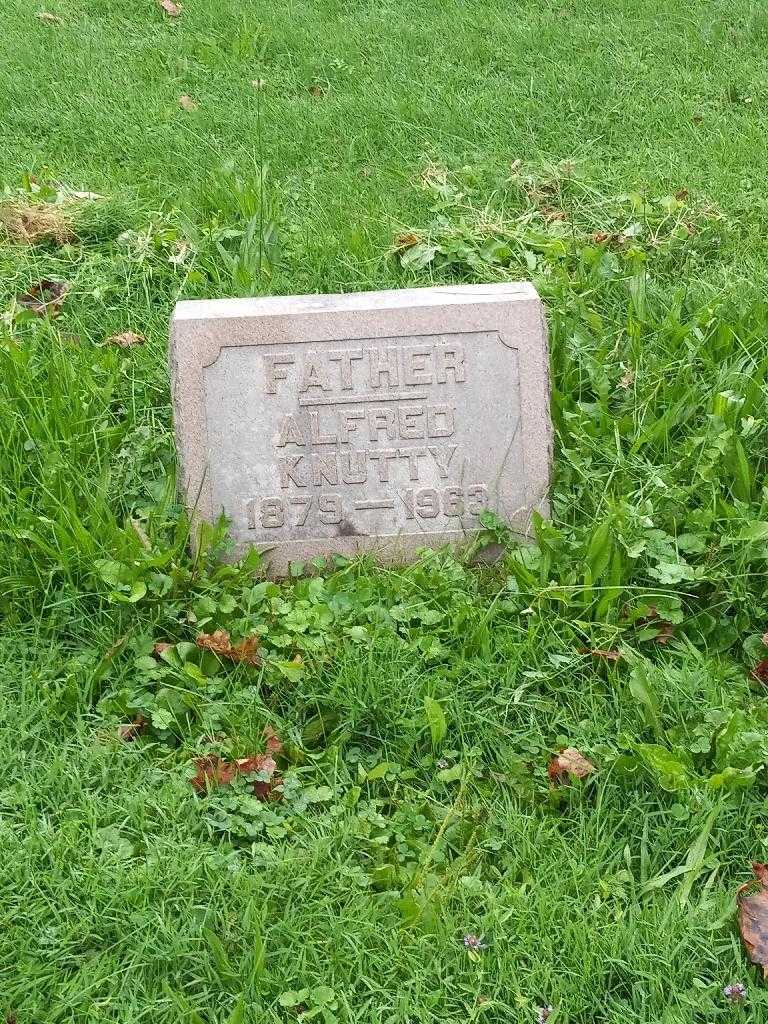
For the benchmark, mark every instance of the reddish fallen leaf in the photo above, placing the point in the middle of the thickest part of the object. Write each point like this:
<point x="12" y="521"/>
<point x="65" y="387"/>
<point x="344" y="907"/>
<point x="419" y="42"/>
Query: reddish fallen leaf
<point x="171" y="9"/>
<point x="273" y="744"/>
<point x="129" y="731"/>
<point x="601" y="236"/>
<point x="569" y="764"/>
<point x="126" y="340"/>
<point x="48" y="19"/>
<point x="760" y="672"/>
<point x="45" y="297"/>
<point x="186" y="102"/>
<point x="753" y="916"/>
<point x="160" y="647"/>
<point x="215" y="771"/>
<point x="605" y="655"/>
<point x="219" y="643"/>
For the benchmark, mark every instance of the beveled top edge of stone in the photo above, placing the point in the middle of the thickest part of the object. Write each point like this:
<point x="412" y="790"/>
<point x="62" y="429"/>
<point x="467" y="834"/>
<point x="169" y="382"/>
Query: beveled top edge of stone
<point x="396" y="298"/>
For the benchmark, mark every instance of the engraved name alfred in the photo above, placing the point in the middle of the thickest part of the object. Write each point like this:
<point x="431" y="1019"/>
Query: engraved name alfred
<point x="374" y="421"/>
<point x="366" y="416"/>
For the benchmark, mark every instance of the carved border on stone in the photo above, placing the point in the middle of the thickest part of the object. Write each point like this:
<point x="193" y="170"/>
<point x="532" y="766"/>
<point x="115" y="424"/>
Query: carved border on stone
<point x="514" y="311"/>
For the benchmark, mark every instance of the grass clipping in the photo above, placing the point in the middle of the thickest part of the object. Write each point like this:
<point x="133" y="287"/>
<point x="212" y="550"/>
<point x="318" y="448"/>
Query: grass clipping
<point x="31" y="223"/>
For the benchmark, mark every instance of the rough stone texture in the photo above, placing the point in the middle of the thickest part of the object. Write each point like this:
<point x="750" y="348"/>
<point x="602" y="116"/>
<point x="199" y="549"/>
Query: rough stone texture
<point x="377" y="421"/>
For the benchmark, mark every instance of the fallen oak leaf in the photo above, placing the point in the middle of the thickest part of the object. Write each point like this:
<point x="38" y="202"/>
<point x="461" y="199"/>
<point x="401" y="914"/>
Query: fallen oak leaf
<point x="753" y="916"/>
<point x="186" y="102"/>
<point x="45" y="297"/>
<point x="219" y="643"/>
<point x="126" y="340"/>
<point x="569" y="764"/>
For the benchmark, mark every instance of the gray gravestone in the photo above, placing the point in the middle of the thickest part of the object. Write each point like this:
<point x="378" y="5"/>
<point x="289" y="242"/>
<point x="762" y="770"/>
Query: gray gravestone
<point x="378" y="421"/>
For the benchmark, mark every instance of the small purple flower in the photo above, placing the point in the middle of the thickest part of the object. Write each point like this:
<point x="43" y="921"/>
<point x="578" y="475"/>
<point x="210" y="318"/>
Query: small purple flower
<point x="543" y="1014"/>
<point x="736" y="992"/>
<point x="474" y="942"/>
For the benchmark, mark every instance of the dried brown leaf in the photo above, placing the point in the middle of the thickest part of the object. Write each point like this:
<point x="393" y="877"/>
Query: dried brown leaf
<point x="273" y="744"/>
<point x="753" y="916"/>
<point x="605" y="655"/>
<point x="186" y="102"/>
<point x="126" y="340"/>
<point x="760" y="672"/>
<point x="129" y="731"/>
<point x="764" y="639"/>
<point x="665" y="633"/>
<point x="48" y="19"/>
<point x="219" y="643"/>
<point x="407" y="240"/>
<point x="627" y="378"/>
<point x="317" y="90"/>
<point x="214" y="771"/>
<point x="681" y="194"/>
<point x="30" y="223"/>
<point x="171" y="9"/>
<point x="551" y="214"/>
<point x="569" y="764"/>
<point x="160" y="647"/>
<point x="44" y="298"/>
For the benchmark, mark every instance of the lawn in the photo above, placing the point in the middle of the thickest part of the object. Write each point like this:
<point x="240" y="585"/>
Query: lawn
<point x="421" y="863"/>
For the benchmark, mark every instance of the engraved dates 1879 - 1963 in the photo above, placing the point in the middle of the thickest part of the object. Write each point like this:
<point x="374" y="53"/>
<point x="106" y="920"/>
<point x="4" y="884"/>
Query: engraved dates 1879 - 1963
<point x="383" y="421"/>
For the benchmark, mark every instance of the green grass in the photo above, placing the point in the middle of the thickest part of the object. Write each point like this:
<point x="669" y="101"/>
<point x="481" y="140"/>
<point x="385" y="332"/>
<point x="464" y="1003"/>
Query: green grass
<point x="419" y="707"/>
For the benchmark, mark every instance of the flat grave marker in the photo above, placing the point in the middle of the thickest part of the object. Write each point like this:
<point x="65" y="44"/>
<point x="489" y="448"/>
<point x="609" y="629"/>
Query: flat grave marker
<point x="373" y="421"/>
